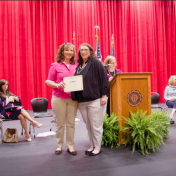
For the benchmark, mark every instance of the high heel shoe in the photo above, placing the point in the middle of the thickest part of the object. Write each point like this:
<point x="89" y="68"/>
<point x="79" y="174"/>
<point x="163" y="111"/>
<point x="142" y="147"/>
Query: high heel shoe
<point x="29" y="139"/>
<point x="38" y="126"/>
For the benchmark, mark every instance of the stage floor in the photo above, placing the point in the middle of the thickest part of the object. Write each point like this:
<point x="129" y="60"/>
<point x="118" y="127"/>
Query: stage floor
<point x="37" y="158"/>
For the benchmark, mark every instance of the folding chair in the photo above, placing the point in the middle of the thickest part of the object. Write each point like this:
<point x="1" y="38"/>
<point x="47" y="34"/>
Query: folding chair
<point x="39" y="106"/>
<point x="155" y="100"/>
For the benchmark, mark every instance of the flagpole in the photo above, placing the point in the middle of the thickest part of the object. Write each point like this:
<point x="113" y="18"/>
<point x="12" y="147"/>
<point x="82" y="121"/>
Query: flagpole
<point x="74" y="45"/>
<point x="112" y="46"/>
<point x="97" y="28"/>
<point x="73" y="37"/>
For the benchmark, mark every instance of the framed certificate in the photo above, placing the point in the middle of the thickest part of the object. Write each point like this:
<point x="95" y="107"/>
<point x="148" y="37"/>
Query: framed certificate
<point x="73" y="83"/>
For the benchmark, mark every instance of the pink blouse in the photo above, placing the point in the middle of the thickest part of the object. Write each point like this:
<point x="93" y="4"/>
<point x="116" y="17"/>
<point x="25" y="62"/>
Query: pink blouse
<point x="57" y="72"/>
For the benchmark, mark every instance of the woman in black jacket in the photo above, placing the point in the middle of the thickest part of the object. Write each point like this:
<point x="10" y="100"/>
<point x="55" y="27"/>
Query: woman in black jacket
<point x="93" y="99"/>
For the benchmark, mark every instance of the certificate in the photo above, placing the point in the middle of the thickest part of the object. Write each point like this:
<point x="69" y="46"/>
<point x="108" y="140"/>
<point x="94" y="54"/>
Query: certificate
<point x="13" y="107"/>
<point x="73" y="83"/>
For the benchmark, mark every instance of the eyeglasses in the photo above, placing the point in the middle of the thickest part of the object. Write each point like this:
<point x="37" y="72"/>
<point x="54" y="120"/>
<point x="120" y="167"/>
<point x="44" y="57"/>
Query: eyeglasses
<point x="82" y="50"/>
<point x="114" y="63"/>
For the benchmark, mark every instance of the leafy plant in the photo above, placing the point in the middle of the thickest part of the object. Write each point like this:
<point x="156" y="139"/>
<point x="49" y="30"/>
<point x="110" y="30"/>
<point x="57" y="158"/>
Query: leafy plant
<point x="110" y="131"/>
<point x="146" y="132"/>
<point x="162" y="117"/>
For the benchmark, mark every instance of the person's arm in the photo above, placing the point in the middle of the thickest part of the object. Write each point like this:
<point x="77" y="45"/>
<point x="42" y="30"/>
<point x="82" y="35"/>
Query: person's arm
<point x="119" y="71"/>
<point x="2" y="103"/>
<point x="5" y="102"/>
<point x="17" y="99"/>
<point x="10" y="99"/>
<point x="2" y="108"/>
<point x="108" y="75"/>
<point x="51" y="81"/>
<point x="104" y="83"/>
<point x="110" y="78"/>
<point x="55" y="85"/>
<point x="103" y="100"/>
<point x="166" y="94"/>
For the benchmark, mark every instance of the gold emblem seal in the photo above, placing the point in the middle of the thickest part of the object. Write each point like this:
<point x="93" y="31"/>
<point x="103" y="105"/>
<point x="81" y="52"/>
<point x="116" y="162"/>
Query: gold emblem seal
<point x="134" y="98"/>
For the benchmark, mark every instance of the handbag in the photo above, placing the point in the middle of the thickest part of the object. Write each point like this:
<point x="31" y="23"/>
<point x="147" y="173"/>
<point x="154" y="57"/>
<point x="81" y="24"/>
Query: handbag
<point x="10" y="135"/>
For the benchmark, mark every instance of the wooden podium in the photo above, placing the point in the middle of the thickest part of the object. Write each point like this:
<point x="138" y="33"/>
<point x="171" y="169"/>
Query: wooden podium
<point x="129" y="91"/>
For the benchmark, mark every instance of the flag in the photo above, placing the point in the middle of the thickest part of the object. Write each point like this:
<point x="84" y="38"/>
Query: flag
<point x="112" y="46"/>
<point x="97" y="50"/>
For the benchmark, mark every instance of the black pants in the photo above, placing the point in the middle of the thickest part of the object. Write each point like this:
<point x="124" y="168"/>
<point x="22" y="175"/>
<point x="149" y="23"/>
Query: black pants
<point x="108" y="106"/>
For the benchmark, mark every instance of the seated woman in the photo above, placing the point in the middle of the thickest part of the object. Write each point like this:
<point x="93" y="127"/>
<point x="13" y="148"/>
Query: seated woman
<point x="170" y="95"/>
<point x="7" y="100"/>
<point x="111" y="71"/>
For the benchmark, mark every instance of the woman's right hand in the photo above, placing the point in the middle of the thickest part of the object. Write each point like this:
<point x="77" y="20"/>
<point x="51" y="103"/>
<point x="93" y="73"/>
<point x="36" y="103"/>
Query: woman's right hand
<point x="172" y="99"/>
<point x="61" y="85"/>
<point x="11" y="99"/>
<point x="55" y="85"/>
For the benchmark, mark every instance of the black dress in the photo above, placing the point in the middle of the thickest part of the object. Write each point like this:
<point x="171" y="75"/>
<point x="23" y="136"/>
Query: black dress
<point x="7" y="113"/>
<point x="112" y="74"/>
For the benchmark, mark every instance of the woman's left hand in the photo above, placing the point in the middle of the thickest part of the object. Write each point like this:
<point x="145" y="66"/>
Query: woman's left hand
<point x="110" y="78"/>
<point x="17" y="99"/>
<point x="103" y="100"/>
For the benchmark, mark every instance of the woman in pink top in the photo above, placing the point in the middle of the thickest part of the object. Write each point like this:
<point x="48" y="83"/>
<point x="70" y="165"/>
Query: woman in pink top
<point x="63" y="106"/>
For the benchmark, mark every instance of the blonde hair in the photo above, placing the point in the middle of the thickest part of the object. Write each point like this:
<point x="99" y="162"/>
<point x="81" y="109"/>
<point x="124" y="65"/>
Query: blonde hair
<point x="171" y="82"/>
<point x="109" y="59"/>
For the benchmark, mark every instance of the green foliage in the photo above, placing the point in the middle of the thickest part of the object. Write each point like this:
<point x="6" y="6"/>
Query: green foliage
<point x="146" y="132"/>
<point x="110" y="131"/>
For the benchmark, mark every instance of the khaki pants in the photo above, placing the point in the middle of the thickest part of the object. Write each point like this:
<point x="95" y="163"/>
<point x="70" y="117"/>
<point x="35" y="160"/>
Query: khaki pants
<point x="65" y="112"/>
<point x="93" y="114"/>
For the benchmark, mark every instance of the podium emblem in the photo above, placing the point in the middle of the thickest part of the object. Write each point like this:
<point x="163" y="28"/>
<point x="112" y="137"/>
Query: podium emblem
<point x="134" y="98"/>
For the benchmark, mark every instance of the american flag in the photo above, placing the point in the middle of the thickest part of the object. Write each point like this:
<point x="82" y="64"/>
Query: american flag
<point x="98" y="51"/>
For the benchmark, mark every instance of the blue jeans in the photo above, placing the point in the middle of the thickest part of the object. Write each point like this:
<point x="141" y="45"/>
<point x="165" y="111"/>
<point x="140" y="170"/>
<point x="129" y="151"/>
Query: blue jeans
<point x="171" y="103"/>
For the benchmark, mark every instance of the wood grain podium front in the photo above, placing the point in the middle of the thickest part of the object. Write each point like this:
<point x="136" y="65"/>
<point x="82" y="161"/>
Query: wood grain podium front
<point x="129" y="91"/>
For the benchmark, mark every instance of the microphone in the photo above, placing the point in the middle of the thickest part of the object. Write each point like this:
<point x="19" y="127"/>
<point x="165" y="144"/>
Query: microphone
<point x="107" y="65"/>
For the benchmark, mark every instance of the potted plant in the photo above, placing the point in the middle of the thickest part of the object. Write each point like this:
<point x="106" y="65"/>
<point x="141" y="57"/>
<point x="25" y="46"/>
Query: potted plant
<point x="110" y="131"/>
<point x="146" y="132"/>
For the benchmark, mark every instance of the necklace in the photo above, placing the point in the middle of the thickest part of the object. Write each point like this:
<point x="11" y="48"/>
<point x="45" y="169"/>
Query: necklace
<point x="80" y="69"/>
<point x="111" y="73"/>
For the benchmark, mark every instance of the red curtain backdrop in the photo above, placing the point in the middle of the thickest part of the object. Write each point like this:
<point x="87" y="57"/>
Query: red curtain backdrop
<point x="31" y="32"/>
